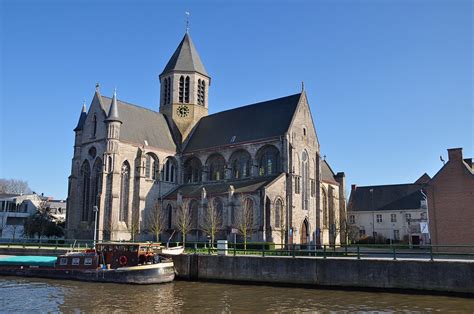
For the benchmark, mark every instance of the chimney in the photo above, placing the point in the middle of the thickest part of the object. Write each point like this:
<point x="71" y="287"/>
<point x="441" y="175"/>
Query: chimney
<point x="455" y="154"/>
<point x="353" y="187"/>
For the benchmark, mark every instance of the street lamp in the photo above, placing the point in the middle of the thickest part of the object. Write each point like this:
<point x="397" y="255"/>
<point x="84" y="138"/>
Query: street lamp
<point x="96" y="210"/>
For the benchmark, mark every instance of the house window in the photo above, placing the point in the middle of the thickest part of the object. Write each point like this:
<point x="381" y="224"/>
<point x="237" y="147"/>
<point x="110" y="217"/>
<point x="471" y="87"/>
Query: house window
<point x="379" y="217"/>
<point x="151" y="167"/>
<point x="268" y="161"/>
<point x="216" y="167"/>
<point x="240" y="164"/>
<point x="361" y="233"/>
<point x="393" y="217"/>
<point x="351" y="219"/>
<point x="88" y="261"/>
<point x="396" y="234"/>
<point x="75" y="261"/>
<point x="169" y="171"/>
<point x="192" y="170"/>
<point x="63" y="261"/>
<point x="408" y="217"/>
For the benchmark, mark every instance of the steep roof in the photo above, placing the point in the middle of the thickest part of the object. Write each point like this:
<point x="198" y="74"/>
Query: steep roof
<point x="82" y="119"/>
<point x="140" y="124"/>
<point x="185" y="58"/>
<point x="249" y="123"/>
<point x="327" y="174"/>
<point x="386" y="197"/>
<point x="220" y="187"/>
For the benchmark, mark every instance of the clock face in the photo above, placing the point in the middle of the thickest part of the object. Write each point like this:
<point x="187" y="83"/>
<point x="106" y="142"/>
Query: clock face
<point x="182" y="111"/>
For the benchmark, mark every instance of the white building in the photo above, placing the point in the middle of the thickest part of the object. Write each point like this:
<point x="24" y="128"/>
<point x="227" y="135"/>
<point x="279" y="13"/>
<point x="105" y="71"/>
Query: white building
<point x="395" y="212"/>
<point x="14" y="210"/>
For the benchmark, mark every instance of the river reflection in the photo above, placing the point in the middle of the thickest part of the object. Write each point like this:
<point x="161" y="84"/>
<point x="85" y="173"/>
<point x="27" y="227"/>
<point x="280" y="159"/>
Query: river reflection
<point x="44" y="295"/>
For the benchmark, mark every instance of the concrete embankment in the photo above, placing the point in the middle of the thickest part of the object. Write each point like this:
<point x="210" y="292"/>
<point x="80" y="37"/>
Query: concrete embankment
<point x="426" y="276"/>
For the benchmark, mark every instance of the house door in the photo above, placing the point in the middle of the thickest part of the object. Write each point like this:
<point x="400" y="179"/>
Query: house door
<point x="304" y="232"/>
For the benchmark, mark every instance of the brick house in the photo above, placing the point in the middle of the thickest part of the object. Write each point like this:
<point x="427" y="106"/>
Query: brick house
<point x="451" y="201"/>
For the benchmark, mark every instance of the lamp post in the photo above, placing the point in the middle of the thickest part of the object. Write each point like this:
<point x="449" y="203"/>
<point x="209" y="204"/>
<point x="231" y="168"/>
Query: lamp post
<point x="96" y="210"/>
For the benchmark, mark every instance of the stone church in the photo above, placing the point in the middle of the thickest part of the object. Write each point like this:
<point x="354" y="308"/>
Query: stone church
<point x="264" y="157"/>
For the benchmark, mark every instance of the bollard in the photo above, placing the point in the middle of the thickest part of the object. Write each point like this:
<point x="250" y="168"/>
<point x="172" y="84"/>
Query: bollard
<point x="358" y="252"/>
<point x="324" y="251"/>
<point x="235" y="248"/>
<point x="431" y="252"/>
<point x="345" y="250"/>
<point x="293" y="250"/>
<point x="263" y="250"/>
<point x="394" y="254"/>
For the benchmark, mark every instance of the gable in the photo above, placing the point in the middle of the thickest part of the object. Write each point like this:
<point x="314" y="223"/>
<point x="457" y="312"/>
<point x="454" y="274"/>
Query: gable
<point x="254" y="122"/>
<point x="302" y="123"/>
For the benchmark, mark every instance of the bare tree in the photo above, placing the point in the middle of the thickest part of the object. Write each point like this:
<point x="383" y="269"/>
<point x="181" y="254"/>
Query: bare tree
<point x="244" y="219"/>
<point x="134" y="227"/>
<point x="14" y="186"/>
<point x="282" y="230"/>
<point x="156" y="220"/>
<point x="183" y="219"/>
<point x="212" y="220"/>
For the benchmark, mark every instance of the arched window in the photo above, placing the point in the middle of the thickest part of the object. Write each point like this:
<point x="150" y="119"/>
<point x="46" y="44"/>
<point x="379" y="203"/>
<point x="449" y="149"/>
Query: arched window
<point x="86" y="181"/>
<point x="124" y="191"/>
<point x="111" y="164"/>
<point x="240" y="163"/>
<point x="169" y="171"/>
<point x="305" y="176"/>
<point x="216" y="164"/>
<point x="181" y="89"/>
<point x="167" y="90"/>
<point x="193" y="212"/>
<point x="201" y="92"/>
<point x="219" y="208"/>
<point x="169" y="210"/>
<point x="278" y="213"/>
<point x="186" y="90"/>
<point x="325" y="208"/>
<point x="96" y="182"/>
<point x="192" y="170"/>
<point x="151" y="166"/>
<point x="94" y="125"/>
<point x="268" y="161"/>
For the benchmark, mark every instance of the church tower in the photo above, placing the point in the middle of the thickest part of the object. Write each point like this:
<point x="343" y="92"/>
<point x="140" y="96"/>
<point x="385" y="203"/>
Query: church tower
<point x="184" y="88"/>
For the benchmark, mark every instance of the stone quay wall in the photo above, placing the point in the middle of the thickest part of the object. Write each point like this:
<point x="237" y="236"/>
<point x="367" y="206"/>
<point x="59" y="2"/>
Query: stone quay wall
<point x="423" y="276"/>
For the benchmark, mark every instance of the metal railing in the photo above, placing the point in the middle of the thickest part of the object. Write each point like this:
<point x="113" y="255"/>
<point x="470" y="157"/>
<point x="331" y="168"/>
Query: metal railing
<point x="366" y="251"/>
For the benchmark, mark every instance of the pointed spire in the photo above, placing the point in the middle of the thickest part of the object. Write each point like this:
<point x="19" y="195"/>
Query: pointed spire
<point x="185" y="58"/>
<point x="82" y="118"/>
<point x="113" y="111"/>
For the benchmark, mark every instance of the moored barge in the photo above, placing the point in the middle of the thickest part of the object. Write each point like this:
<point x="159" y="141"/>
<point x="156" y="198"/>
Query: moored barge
<point x="137" y="263"/>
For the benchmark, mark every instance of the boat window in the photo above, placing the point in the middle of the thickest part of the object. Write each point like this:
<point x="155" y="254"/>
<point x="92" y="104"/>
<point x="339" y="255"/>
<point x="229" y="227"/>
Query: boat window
<point x="63" y="261"/>
<point x="75" y="261"/>
<point x="88" y="261"/>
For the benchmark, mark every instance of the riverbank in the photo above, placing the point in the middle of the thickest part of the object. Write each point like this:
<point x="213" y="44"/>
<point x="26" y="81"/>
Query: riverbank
<point x="449" y="277"/>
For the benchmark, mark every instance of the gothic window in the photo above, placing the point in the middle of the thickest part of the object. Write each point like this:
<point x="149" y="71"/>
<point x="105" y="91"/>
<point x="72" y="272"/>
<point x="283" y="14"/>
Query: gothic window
<point x="167" y="91"/>
<point x="268" y="161"/>
<point x="94" y="125"/>
<point x="96" y="182"/>
<point x="192" y="170"/>
<point x="278" y="213"/>
<point x="151" y="166"/>
<point x="86" y="181"/>
<point x="181" y="89"/>
<point x="325" y="208"/>
<point x="240" y="163"/>
<point x="169" y="210"/>
<point x="186" y="90"/>
<point x="216" y="164"/>
<point x="193" y="212"/>
<point x="305" y="176"/>
<point x="297" y="184"/>
<point x="110" y="166"/>
<point x="124" y="191"/>
<point x="169" y="171"/>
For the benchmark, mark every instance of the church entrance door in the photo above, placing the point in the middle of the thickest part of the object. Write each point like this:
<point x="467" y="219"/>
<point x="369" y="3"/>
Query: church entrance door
<point x="304" y="232"/>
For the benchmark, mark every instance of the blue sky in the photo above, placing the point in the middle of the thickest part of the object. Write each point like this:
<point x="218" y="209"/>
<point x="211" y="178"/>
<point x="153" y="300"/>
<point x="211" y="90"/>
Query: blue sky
<point x="390" y="83"/>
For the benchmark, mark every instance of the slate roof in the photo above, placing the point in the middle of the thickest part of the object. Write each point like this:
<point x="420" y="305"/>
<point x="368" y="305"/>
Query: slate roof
<point x="327" y="174"/>
<point x="249" y="123"/>
<point x="8" y="195"/>
<point x="113" y="110"/>
<point x="185" y="58"/>
<point x="386" y="197"/>
<point x="140" y="124"/>
<point x="220" y="187"/>
<point x="82" y="119"/>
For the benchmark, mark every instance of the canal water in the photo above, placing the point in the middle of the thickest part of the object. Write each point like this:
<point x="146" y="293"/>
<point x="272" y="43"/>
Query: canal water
<point x="44" y="295"/>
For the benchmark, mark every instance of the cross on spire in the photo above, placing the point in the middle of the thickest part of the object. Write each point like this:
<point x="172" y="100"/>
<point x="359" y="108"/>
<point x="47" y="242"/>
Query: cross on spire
<point x="187" y="21"/>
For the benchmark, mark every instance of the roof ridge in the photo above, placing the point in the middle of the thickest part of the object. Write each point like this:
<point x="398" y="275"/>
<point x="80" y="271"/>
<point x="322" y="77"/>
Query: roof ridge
<point x="250" y="105"/>
<point x="384" y="185"/>
<point x="133" y="105"/>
